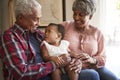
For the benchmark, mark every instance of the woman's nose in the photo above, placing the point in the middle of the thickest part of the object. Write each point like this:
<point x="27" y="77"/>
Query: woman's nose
<point x="77" y="17"/>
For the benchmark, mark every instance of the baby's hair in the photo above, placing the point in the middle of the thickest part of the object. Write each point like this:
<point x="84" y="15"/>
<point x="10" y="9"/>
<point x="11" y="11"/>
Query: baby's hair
<point x="60" y="28"/>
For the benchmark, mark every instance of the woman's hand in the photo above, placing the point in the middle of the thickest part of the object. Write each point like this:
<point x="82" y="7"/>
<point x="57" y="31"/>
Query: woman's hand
<point x="76" y="65"/>
<point x="87" y="59"/>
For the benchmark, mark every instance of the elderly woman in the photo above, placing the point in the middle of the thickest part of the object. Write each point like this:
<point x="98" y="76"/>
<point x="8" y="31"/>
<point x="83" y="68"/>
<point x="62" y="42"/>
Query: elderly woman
<point x="87" y="42"/>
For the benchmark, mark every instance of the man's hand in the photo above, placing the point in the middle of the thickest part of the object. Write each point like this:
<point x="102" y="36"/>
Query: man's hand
<point x="76" y="65"/>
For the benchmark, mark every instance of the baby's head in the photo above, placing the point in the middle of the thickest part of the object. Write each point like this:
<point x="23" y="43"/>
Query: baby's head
<point x="54" y="32"/>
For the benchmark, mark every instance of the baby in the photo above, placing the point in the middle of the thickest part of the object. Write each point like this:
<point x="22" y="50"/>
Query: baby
<point x="53" y="47"/>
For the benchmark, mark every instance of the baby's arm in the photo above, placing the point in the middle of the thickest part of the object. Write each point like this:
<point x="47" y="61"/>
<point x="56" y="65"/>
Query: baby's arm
<point x="45" y="53"/>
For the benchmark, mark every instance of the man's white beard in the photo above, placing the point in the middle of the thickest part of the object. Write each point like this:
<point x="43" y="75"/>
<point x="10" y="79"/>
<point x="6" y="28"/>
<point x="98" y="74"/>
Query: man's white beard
<point x="32" y="30"/>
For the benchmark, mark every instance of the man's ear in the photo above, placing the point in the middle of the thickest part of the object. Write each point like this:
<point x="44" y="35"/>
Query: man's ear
<point x="90" y="16"/>
<point x="20" y="16"/>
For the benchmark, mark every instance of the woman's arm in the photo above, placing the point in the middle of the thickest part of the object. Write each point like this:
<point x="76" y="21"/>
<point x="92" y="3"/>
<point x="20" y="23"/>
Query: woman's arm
<point x="98" y="60"/>
<point x="100" y="56"/>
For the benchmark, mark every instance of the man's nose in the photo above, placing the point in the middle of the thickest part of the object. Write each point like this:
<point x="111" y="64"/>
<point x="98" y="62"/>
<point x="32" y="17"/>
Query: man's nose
<point x="38" y="23"/>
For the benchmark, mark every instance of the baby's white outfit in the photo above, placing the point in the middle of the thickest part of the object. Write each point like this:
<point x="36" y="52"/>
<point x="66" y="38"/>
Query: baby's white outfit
<point x="57" y="50"/>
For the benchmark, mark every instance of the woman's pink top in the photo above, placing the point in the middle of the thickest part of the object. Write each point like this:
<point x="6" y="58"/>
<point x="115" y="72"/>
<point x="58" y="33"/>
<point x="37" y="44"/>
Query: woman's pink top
<point x="90" y="41"/>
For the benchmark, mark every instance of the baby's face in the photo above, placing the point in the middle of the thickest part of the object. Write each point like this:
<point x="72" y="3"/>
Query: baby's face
<point x="51" y="34"/>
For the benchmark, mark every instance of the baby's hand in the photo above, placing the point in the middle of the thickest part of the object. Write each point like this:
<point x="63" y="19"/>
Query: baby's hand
<point x="58" y="61"/>
<point x="66" y="58"/>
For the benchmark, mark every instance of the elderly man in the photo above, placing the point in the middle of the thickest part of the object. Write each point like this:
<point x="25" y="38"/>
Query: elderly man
<point x="19" y="46"/>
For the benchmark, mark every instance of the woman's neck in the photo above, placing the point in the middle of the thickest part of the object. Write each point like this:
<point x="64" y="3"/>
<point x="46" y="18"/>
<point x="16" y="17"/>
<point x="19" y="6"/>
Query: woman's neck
<point x="82" y="29"/>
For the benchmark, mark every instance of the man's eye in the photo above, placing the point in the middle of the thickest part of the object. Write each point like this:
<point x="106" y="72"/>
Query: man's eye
<point x="35" y="19"/>
<point x="49" y="31"/>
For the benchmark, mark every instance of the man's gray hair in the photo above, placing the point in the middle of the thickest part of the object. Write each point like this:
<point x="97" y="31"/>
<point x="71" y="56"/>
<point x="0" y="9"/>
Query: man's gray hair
<point x="87" y="7"/>
<point x="26" y="7"/>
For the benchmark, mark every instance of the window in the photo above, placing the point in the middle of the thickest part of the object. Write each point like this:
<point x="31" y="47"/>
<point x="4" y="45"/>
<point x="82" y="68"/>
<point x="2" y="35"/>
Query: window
<point x="111" y="30"/>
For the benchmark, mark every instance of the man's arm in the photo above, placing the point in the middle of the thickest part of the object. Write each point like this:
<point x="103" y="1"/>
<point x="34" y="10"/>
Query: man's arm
<point x="14" y="58"/>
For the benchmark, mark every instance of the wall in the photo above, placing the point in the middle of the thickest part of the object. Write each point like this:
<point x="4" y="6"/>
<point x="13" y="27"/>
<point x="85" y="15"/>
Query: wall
<point x="3" y="15"/>
<point x="1" y="78"/>
<point x="1" y="75"/>
<point x="0" y="14"/>
<point x="3" y="22"/>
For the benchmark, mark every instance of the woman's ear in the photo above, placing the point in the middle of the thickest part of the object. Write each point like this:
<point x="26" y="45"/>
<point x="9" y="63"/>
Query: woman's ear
<point x="90" y="16"/>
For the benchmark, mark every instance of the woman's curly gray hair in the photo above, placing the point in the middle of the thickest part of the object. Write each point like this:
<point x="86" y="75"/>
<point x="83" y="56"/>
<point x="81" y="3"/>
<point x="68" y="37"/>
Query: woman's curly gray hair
<point x="87" y="7"/>
<point x="25" y="7"/>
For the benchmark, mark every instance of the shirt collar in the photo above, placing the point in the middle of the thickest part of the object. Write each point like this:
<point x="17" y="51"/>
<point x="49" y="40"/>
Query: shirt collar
<point x="19" y="30"/>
